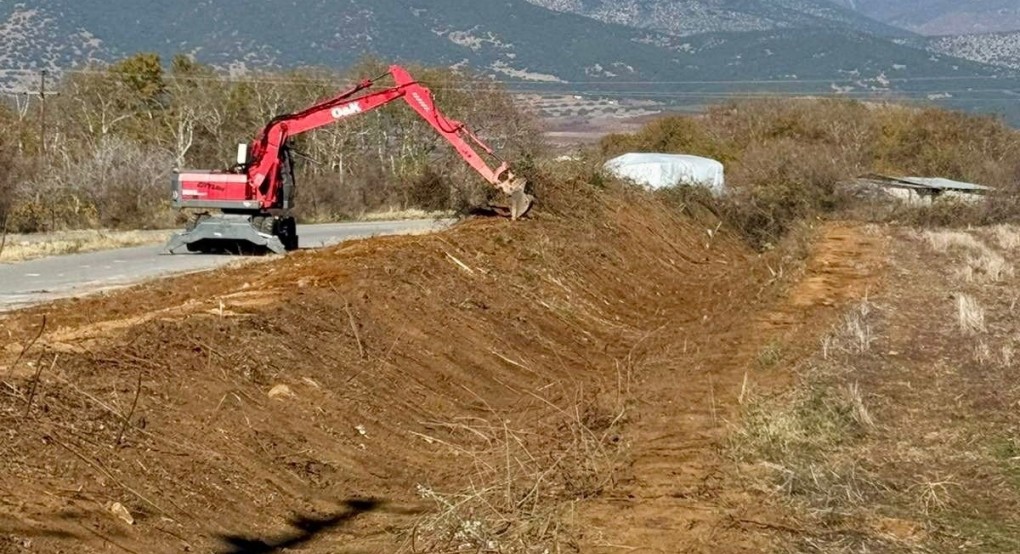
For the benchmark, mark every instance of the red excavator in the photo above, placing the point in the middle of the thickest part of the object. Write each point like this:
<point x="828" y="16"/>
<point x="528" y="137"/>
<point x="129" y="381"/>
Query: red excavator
<point x="256" y="196"/>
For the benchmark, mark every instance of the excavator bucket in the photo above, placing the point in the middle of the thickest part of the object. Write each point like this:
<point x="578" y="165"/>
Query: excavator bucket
<point x="520" y="203"/>
<point x="517" y="201"/>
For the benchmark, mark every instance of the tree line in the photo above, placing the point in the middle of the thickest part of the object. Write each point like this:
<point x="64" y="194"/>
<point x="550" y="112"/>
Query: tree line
<point x="116" y="132"/>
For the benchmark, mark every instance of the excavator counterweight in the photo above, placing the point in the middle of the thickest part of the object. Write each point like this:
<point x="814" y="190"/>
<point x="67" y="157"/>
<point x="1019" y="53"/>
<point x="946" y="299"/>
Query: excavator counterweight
<point x="255" y="197"/>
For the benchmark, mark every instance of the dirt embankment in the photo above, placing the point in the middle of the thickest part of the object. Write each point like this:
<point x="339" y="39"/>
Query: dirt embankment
<point x="357" y="398"/>
<point x="560" y="383"/>
<point x="679" y="491"/>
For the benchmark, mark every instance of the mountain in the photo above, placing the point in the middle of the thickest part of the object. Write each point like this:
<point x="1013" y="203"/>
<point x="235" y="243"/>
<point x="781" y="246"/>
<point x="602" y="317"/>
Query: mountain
<point x="1001" y="49"/>
<point x="626" y="48"/>
<point x="515" y="39"/>
<point x="689" y="17"/>
<point x="942" y="17"/>
<point x="508" y="37"/>
<point x="38" y="38"/>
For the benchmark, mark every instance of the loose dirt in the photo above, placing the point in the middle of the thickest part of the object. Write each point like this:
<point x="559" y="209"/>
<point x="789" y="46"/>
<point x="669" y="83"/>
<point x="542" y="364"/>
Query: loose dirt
<point x="677" y="496"/>
<point x="337" y="401"/>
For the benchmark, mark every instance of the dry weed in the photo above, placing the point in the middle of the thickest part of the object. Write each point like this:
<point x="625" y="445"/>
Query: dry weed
<point x="860" y="411"/>
<point x="771" y="355"/>
<point x="985" y="354"/>
<point x="983" y="264"/>
<point x="982" y="353"/>
<point x="401" y="215"/>
<point x="27" y="247"/>
<point x="521" y="486"/>
<point x="853" y="334"/>
<point x="811" y="419"/>
<point x="1007" y="236"/>
<point x="874" y="230"/>
<point x="943" y="241"/>
<point x="933" y="493"/>
<point x="805" y="439"/>
<point x="970" y="314"/>
<point x="986" y="267"/>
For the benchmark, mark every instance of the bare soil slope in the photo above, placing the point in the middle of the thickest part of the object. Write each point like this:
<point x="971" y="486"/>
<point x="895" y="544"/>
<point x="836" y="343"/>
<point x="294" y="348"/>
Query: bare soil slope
<point x="564" y="383"/>
<point x="336" y="400"/>
<point x="679" y="493"/>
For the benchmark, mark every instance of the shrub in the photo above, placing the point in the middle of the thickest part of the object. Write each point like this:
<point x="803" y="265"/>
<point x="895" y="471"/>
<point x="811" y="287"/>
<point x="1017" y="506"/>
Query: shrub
<point x="789" y="159"/>
<point x="672" y="134"/>
<point x="7" y="184"/>
<point x="118" y="185"/>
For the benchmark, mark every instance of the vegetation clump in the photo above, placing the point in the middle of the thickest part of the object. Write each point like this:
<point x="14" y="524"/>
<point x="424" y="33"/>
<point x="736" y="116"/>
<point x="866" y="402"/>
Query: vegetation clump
<point x="791" y="159"/>
<point x="115" y="132"/>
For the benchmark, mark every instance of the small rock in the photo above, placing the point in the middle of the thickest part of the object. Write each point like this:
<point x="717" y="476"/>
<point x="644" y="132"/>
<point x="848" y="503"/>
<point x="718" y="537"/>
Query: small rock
<point x="281" y="391"/>
<point x="361" y="430"/>
<point x="120" y="511"/>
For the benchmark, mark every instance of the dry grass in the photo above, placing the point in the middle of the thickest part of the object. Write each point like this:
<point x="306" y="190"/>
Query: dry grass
<point x="943" y="241"/>
<point x="403" y="215"/>
<point x="1007" y="236"/>
<point x="860" y="412"/>
<point x="811" y="419"/>
<point x="800" y="448"/>
<point x="770" y="355"/>
<point x="854" y="333"/>
<point x="933" y="493"/>
<point x="986" y="267"/>
<point x="26" y="247"/>
<point x="797" y="436"/>
<point x="982" y="264"/>
<point x="902" y="441"/>
<point x="970" y="315"/>
<point x="523" y="485"/>
<point x="1008" y="355"/>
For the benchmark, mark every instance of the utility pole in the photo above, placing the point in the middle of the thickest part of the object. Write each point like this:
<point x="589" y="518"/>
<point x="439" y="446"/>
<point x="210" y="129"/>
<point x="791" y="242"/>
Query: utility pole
<point x="42" y="124"/>
<point x="42" y="111"/>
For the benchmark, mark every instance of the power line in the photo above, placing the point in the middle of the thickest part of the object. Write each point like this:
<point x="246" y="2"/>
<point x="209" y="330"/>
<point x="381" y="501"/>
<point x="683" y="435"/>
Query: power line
<point x="638" y="89"/>
<point x="261" y="78"/>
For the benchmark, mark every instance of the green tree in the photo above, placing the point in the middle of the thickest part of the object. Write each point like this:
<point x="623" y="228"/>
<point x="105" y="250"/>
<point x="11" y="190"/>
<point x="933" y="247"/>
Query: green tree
<point x="143" y="75"/>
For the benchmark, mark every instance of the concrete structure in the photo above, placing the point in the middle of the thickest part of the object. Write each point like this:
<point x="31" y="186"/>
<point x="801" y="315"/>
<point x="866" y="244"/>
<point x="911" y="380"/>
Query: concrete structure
<point x="924" y="190"/>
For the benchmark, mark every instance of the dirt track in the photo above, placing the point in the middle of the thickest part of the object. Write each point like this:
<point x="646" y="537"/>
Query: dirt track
<point x="678" y="496"/>
<point x="338" y="401"/>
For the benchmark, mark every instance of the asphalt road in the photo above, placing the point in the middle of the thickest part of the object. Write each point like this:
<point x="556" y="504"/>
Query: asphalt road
<point x="37" y="281"/>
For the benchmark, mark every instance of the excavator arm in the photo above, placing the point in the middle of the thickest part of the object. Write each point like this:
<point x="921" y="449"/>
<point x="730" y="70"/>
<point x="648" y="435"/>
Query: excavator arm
<point x="264" y="169"/>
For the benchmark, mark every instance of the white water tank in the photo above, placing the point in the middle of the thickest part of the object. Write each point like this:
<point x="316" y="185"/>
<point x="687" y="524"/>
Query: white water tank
<point x="655" y="171"/>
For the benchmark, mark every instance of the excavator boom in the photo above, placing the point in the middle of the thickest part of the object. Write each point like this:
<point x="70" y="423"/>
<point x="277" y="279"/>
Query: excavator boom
<point x="260" y="189"/>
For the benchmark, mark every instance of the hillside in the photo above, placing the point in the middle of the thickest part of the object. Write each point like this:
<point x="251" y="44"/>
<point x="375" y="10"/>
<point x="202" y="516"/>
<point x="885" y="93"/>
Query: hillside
<point x="1001" y="49"/>
<point x="942" y="17"/>
<point x="543" y="46"/>
<point x="689" y="17"/>
<point x="513" y="38"/>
